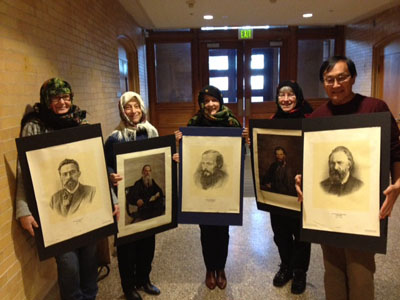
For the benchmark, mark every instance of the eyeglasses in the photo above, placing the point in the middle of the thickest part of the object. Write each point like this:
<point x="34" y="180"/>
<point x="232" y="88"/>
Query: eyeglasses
<point x="66" y="97"/>
<point x="341" y="78"/>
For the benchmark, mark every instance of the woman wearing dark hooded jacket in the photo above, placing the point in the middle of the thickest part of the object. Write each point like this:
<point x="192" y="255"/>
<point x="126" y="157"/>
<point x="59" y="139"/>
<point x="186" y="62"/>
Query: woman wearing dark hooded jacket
<point x="294" y="254"/>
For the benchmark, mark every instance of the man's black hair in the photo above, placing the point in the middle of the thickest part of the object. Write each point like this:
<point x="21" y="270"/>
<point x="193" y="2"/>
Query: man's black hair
<point x="332" y="61"/>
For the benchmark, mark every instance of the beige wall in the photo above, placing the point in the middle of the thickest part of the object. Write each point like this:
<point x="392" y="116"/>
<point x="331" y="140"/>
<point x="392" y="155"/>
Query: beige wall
<point x="77" y="41"/>
<point x="360" y="39"/>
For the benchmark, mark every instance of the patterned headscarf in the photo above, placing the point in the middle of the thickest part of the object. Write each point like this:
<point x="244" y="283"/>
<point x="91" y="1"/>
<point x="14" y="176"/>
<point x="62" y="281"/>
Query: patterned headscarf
<point x="125" y="98"/>
<point x="53" y="87"/>
<point x="126" y="129"/>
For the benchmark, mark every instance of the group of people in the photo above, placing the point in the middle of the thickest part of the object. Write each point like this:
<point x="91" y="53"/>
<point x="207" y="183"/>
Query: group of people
<point x="348" y="272"/>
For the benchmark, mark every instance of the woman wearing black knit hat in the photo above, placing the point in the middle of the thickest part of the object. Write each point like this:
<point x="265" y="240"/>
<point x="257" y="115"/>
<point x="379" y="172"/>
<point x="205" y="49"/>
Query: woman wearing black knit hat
<point x="214" y="239"/>
<point x="294" y="254"/>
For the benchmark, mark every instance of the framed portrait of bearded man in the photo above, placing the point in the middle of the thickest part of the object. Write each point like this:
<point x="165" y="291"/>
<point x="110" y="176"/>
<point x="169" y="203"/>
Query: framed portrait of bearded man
<point x="147" y="194"/>
<point x="276" y="157"/>
<point x="211" y="176"/>
<point x="346" y="169"/>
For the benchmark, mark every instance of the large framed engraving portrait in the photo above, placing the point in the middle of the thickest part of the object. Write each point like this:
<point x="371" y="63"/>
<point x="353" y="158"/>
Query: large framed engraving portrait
<point x="276" y="156"/>
<point x="346" y="169"/>
<point x="67" y="188"/>
<point x="211" y="176"/>
<point x="147" y="195"/>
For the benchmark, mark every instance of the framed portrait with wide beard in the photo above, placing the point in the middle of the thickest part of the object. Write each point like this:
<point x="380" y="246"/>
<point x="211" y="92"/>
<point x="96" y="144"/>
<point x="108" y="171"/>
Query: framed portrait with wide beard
<point x="147" y="194"/>
<point x="67" y="188"/>
<point x="276" y="157"/>
<point x="345" y="171"/>
<point x="211" y="176"/>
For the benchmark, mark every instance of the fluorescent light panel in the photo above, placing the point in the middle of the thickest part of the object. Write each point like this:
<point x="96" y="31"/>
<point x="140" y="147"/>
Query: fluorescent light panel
<point x="235" y="27"/>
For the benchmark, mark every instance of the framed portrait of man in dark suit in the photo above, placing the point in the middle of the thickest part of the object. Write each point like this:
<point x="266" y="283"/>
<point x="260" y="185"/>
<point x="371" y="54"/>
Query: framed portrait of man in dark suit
<point x="67" y="187"/>
<point x="276" y="156"/>
<point x="147" y="195"/>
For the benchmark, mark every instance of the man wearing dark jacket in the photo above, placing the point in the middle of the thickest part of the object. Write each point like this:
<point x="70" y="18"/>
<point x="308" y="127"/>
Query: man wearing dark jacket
<point x="147" y="196"/>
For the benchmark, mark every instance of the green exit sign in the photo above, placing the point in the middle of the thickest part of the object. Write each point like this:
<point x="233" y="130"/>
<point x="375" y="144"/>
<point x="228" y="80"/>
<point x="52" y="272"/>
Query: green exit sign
<point x="245" y="34"/>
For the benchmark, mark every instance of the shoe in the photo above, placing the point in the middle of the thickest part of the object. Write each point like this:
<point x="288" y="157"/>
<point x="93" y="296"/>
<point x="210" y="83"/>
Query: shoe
<point x="211" y="282"/>
<point x="299" y="282"/>
<point x="151" y="289"/>
<point x="283" y="276"/>
<point x="221" y="279"/>
<point x="134" y="295"/>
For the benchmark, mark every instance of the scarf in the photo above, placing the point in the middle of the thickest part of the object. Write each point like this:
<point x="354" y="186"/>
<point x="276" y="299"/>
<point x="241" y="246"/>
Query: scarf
<point x="126" y="132"/>
<point x="50" y="120"/>
<point x="223" y="118"/>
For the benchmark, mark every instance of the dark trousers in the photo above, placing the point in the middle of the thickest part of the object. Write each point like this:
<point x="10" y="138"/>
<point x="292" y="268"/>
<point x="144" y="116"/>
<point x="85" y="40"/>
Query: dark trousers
<point x="293" y="253"/>
<point x="214" y="244"/>
<point x="134" y="262"/>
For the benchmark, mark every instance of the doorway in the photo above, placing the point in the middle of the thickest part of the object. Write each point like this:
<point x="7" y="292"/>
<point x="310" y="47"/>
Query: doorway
<point x="246" y="72"/>
<point x="387" y="73"/>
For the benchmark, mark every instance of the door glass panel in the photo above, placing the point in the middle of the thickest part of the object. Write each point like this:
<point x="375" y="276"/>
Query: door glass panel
<point x="311" y="54"/>
<point x="219" y="62"/>
<point x="220" y="82"/>
<point x="222" y="66"/>
<point x="264" y="73"/>
<point x="173" y="63"/>
<point x="257" y="61"/>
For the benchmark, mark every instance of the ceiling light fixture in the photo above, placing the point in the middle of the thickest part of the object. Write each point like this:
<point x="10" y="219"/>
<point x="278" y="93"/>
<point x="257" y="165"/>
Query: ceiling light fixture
<point x="307" y="15"/>
<point x="208" y="17"/>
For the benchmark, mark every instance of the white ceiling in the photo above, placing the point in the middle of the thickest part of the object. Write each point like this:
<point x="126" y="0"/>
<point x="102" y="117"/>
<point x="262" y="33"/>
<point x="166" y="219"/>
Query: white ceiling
<point x="173" y="14"/>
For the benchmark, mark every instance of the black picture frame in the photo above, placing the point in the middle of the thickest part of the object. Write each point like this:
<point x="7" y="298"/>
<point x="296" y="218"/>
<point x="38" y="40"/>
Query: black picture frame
<point x="41" y="154"/>
<point x="132" y="156"/>
<point x="341" y="127"/>
<point x="265" y="136"/>
<point x="195" y="141"/>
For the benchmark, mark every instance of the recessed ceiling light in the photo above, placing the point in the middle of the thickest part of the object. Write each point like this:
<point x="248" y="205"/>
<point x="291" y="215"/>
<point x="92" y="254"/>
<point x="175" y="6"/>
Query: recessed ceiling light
<point x="308" y="15"/>
<point x="208" y="17"/>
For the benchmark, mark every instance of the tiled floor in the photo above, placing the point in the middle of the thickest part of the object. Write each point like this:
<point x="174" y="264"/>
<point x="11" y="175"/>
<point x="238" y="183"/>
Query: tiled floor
<point x="178" y="268"/>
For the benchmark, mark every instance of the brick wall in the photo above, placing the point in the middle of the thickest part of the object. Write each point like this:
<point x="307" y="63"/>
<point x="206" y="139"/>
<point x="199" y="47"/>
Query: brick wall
<point x="40" y="39"/>
<point x="360" y="39"/>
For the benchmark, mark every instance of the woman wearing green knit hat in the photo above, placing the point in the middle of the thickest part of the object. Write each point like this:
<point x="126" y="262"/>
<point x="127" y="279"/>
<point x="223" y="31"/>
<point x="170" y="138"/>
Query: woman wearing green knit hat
<point x="77" y="269"/>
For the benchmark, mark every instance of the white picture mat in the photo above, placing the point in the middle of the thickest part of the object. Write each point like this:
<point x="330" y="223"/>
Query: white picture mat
<point x="355" y="213"/>
<point x="123" y="229"/>
<point x="43" y="165"/>
<point x="280" y="200"/>
<point x="225" y="199"/>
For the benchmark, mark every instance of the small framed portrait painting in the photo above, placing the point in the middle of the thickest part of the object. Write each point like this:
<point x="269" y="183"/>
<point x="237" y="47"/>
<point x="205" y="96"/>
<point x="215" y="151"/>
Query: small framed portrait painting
<point x="346" y="169"/>
<point x="147" y="195"/>
<point x="211" y="176"/>
<point x="67" y="188"/>
<point x="276" y="156"/>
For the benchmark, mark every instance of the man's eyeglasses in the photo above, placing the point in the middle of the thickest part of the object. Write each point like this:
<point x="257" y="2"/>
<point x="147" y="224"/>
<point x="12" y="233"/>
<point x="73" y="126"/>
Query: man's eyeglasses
<point x="339" y="79"/>
<point x="66" y="97"/>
